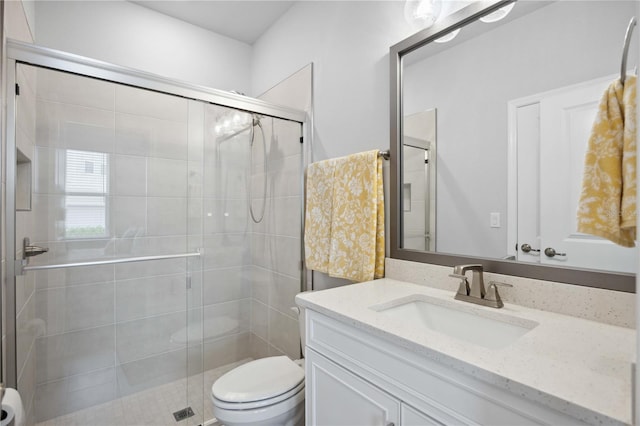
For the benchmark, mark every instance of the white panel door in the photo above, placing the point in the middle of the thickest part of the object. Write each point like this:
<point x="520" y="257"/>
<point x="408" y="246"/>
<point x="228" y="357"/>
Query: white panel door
<point x="337" y="397"/>
<point x="566" y="119"/>
<point x="528" y="182"/>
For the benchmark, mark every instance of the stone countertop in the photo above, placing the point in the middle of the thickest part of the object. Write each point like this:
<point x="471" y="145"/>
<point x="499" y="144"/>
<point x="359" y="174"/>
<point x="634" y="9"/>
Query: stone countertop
<point x="575" y="366"/>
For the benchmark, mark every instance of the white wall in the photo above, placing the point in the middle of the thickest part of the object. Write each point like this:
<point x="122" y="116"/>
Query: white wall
<point x="133" y="36"/>
<point x="348" y="43"/>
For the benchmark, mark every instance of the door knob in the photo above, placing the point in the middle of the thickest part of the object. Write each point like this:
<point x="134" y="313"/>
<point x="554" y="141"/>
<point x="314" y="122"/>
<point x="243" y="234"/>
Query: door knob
<point x="526" y="248"/>
<point x="551" y="252"/>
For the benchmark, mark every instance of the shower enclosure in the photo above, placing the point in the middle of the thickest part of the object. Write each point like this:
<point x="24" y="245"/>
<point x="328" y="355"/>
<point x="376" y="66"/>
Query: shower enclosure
<point x="167" y="213"/>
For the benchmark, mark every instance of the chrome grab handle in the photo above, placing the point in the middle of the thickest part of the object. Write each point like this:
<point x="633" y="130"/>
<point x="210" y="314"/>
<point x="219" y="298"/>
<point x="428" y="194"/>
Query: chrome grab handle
<point x="526" y="248"/>
<point x="551" y="252"/>
<point x="29" y="251"/>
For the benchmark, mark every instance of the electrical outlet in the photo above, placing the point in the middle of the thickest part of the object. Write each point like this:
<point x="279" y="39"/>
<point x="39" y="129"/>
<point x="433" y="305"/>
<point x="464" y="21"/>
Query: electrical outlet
<point x="494" y="220"/>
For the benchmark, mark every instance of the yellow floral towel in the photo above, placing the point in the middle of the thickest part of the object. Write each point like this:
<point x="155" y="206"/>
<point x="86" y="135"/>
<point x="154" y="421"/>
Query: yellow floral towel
<point x="347" y="194"/>
<point x="317" y="217"/>
<point x="607" y="205"/>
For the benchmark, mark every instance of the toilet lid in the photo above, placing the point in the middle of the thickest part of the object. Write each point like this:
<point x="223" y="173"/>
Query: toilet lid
<point x="257" y="380"/>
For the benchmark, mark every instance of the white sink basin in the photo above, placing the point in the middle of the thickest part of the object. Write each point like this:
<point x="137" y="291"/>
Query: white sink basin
<point x="492" y="330"/>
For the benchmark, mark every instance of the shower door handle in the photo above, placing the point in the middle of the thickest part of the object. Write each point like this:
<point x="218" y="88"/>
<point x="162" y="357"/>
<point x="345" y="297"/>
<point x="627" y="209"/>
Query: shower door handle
<point x="29" y="251"/>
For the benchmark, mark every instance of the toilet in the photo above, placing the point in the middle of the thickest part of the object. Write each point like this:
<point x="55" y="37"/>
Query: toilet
<point x="267" y="391"/>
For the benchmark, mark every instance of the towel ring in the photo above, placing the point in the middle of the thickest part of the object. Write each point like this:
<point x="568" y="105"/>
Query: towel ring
<point x="625" y="49"/>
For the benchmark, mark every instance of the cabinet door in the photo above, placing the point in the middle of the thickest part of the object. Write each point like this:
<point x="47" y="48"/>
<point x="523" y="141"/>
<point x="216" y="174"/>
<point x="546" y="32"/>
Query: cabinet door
<point x="337" y="397"/>
<point x="412" y="417"/>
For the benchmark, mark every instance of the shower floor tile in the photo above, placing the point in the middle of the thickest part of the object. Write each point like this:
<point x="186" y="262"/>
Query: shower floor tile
<point x="152" y="407"/>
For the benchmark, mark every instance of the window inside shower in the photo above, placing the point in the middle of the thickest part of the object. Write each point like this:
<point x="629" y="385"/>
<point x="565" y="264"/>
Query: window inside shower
<point x="122" y="173"/>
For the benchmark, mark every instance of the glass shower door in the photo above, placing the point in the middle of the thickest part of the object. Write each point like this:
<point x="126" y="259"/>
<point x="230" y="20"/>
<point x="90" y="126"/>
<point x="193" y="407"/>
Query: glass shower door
<point x="105" y="177"/>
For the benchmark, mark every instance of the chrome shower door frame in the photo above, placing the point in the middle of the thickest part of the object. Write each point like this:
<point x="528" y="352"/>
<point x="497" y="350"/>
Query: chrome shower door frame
<point x="19" y="52"/>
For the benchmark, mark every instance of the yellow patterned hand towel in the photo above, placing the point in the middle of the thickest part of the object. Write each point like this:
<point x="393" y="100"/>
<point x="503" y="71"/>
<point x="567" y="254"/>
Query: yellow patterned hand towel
<point x="607" y="206"/>
<point x="357" y="226"/>
<point x="318" y="213"/>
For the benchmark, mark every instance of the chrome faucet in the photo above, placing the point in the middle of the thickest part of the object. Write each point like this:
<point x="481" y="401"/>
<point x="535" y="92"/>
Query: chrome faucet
<point x="476" y="293"/>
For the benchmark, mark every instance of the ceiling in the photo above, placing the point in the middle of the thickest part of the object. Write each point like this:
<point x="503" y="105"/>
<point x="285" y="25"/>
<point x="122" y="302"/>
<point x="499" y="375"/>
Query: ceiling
<point x="244" y="20"/>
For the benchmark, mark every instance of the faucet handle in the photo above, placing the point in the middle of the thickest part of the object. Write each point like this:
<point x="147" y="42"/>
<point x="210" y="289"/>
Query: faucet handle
<point x="463" y="289"/>
<point x="493" y="295"/>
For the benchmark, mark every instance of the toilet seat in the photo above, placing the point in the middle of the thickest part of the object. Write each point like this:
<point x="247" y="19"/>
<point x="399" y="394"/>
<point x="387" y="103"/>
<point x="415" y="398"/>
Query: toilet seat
<point x="258" y="383"/>
<point x="257" y="404"/>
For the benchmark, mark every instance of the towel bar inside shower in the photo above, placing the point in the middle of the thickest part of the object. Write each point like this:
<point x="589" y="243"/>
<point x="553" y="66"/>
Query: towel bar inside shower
<point x="21" y="266"/>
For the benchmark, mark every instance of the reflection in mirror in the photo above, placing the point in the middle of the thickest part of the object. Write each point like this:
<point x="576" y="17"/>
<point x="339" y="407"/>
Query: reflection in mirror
<point x="419" y="184"/>
<point x="516" y="100"/>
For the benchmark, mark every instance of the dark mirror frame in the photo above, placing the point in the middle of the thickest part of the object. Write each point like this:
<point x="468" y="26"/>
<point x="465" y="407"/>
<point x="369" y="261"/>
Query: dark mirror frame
<point x="584" y="277"/>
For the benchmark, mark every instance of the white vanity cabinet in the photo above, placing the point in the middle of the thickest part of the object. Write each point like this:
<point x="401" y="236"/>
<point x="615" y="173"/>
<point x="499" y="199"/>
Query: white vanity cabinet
<point x="341" y="398"/>
<point x="357" y="378"/>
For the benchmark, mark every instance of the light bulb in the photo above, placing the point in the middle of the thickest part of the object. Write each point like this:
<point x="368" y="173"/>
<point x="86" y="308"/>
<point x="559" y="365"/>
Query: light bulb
<point x="448" y="37"/>
<point x="422" y="14"/>
<point x="498" y="14"/>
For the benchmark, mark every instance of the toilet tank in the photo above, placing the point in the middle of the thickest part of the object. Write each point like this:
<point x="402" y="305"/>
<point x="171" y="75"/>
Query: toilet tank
<point x="300" y="312"/>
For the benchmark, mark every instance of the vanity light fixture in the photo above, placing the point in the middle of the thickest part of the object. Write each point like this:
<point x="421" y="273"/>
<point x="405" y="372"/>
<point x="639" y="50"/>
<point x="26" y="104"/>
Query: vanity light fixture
<point x="448" y="37"/>
<point x="498" y="14"/>
<point x="422" y="14"/>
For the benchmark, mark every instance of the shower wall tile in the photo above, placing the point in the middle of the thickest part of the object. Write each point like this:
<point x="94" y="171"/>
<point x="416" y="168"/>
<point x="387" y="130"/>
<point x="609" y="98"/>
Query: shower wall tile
<point x="146" y="103"/>
<point x="147" y="337"/>
<point x="49" y="213"/>
<point x="276" y="253"/>
<point x="26" y="331"/>
<point x="282" y="293"/>
<point x="25" y="286"/>
<point x="166" y="216"/>
<point x="223" y="285"/>
<point x="259" y="347"/>
<point x="145" y="373"/>
<point x="60" y="397"/>
<point x="48" y="170"/>
<point x="74" y="127"/>
<point x="25" y="143"/>
<point x="131" y="138"/>
<point x="227" y="216"/>
<point x="227" y="250"/>
<point x="284" y="334"/>
<point x="74" y="308"/>
<point x="69" y="89"/>
<point x="227" y="318"/>
<point x="196" y="130"/>
<point x="129" y="217"/>
<point x="260" y="284"/>
<point x="166" y="178"/>
<point x="27" y="381"/>
<point x="76" y="250"/>
<point x="144" y="297"/>
<point x="227" y="350"/>
<point x="283" y="216"/>
<point x="195" y="216"/>
<point x="150" y="246"/>
<point x="139" y="135"/>
<point x="260" y="320"/>
<point x="74" y="353"/>
<point x="194" y="179"/>
<point x="73" y="276"/>
<point x="130" y="176"/>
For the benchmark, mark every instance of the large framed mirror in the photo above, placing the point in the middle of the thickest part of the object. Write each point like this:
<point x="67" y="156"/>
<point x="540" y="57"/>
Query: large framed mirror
<point x="490" y="120"/>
